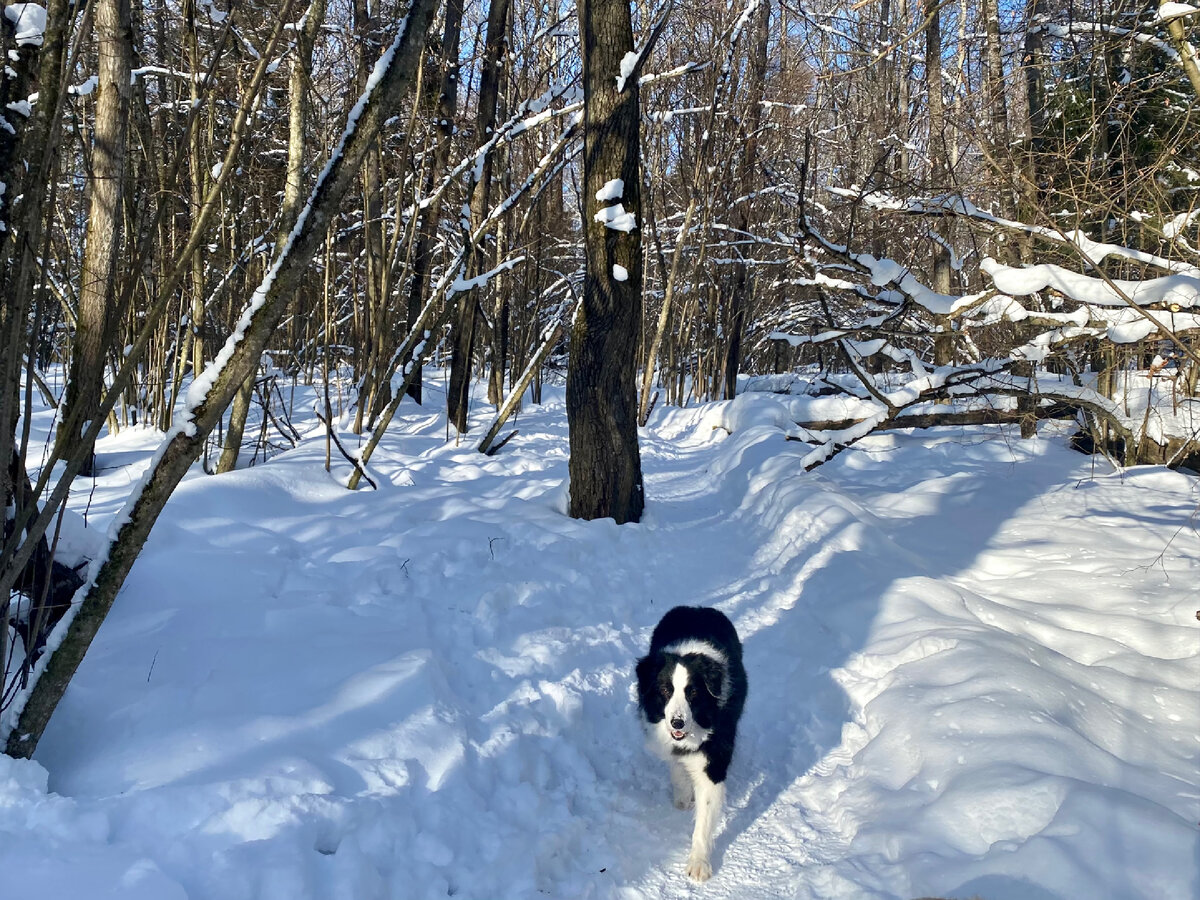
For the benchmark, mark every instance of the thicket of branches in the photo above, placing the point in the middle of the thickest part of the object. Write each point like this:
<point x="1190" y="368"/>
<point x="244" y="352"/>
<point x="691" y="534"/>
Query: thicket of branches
<point x="917" y="200"/>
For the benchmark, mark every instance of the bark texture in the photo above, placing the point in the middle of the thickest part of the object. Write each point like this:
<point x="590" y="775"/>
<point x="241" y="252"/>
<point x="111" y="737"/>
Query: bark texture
<point x="114" y="40"/>
<point x="605" y="465"/>
<point x="447" y="111"/>
<point x="458" y="398"/>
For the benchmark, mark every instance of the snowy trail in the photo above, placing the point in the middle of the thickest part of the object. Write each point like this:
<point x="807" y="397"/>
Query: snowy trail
<point x="973" y="671"/>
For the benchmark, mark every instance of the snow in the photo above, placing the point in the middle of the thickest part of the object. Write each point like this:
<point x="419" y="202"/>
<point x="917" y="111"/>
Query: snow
<point x="215" y="14"/>
<point x="29" y="20"/>
<point x="620" y="273"/>
<point x="612" y="190"/>
<point x="616" y="218"/>
<point x="1178" y="289"/>
<point x="1178" y="224"/>
<point x="86" y="87"/>
<point x="461" y="285"/>
<point x="628" y="63"/>
<point x="972" y="662"/>
<point x="1167" y="11"/>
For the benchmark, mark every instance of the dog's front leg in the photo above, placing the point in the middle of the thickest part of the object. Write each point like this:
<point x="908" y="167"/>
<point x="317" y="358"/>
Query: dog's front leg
<point x="681" y="781"/>
<point x="709" y="799"/>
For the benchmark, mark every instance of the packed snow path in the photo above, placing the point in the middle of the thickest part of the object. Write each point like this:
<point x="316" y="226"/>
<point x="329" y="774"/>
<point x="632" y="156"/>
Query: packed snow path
<point x="973" y="663"/>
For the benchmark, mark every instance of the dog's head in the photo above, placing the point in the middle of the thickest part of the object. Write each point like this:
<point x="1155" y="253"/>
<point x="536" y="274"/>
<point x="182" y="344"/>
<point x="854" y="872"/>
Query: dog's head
<point x="681" y="694"/>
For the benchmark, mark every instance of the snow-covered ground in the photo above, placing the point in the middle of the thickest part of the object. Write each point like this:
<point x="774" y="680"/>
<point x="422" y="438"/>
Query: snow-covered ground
<point x="974" y="671"/>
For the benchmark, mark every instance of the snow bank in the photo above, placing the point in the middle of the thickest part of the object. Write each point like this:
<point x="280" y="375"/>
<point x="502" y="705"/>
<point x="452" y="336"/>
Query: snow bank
<point x="51" y="846"/>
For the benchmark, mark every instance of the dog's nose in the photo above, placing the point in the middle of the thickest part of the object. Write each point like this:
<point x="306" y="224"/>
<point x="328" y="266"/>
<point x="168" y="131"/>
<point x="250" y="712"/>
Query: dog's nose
<point x="677" y="723"/>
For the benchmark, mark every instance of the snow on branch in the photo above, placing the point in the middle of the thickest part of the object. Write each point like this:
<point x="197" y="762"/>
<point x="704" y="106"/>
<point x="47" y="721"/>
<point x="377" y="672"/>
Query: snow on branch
<point x="1171" y="291"/>
<point x="1073" y="28"/>
<point x="29" y="22"/>
<point x="883" y="272"/>
<point x="1168" y="11"/>
<point x="957" y="205"/>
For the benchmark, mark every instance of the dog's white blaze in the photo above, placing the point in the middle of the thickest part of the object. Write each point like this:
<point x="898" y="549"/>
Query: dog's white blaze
<point x="678" y="705"/>
<point x="703" y="648"/>
<point x="693" y="645"/>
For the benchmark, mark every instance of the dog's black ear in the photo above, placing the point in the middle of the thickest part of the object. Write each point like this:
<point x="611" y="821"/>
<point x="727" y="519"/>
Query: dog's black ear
<point x="713" y="677"/>
<point x="645" y="678"/>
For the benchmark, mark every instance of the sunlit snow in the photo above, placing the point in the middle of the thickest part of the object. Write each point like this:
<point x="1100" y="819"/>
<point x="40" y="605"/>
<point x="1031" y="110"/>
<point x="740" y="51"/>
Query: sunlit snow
<point x="972" y="661"/>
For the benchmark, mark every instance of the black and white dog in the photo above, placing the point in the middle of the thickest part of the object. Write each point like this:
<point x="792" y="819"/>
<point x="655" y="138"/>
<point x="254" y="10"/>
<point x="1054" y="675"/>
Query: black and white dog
<point x="691" y="690"/>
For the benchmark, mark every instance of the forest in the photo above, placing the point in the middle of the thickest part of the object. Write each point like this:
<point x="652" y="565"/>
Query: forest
<point x="355" y="233"/>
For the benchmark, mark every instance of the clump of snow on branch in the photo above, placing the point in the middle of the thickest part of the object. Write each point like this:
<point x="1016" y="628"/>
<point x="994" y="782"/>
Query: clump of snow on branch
<point x="612" y="190"/>
<point x="616" y="218"/>
<point x="29" y="21"/>
<point x="628" y="64"/>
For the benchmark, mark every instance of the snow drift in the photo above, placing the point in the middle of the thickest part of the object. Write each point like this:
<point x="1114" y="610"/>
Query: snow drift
<point x="972" y="661"/>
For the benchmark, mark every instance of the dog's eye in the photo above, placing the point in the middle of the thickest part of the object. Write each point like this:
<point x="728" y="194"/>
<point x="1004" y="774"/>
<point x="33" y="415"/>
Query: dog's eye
<point x="690" y="691"/>
<point x="665" y="690"/>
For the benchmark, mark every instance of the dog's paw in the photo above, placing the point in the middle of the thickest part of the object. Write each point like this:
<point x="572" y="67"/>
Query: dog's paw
<point x="684" y="801"/>
<point x="699" y="868"/>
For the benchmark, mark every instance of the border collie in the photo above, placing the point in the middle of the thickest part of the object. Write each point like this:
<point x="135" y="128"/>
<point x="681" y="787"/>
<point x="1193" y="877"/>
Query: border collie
<point x="691" y="689"/>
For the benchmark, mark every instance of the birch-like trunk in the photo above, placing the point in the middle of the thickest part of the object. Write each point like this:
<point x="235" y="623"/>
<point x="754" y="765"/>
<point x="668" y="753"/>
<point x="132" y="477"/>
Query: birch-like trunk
<point x="114" y="42"/>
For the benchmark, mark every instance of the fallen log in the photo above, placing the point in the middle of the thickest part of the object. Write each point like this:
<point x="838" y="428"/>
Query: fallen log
<point x="943" y="419"/>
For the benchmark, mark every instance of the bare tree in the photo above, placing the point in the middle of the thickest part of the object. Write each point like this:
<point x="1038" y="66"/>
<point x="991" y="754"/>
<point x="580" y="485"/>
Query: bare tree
<point x="463" y="340"/>
<point x="446" y="118"/>
<point x="96" y="315"/>
<point x="605" y="465"/>
<point x="298" y="103"/>
<point x="392" y="78"/>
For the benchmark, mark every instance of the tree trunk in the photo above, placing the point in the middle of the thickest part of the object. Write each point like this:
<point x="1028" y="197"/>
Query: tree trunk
<point x="463" y="340"/>
<point x="739" y="296"/>
<point x="605" y="466"/>
<point x="23" y="208"/>
<point x="96" y="319"/>
<point x="374" y="385"/>
<point x="1035" y="126"/>
<point x="298" y="86"/>
<point x="1178" y="35"/>
<point x="196" y="172"/>
<point x="939" y="170"/>
<point x="447" y="111"/>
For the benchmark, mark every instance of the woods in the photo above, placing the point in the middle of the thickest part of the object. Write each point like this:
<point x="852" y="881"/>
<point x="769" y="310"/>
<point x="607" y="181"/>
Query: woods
<point x="934" y="209"/>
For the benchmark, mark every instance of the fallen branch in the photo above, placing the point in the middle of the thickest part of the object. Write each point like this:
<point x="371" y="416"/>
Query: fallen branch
<point x="941" y="419"/>
<point x="508" y="437"/>
<point x="362" y="473"/>
<point x="549" y="340"/>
